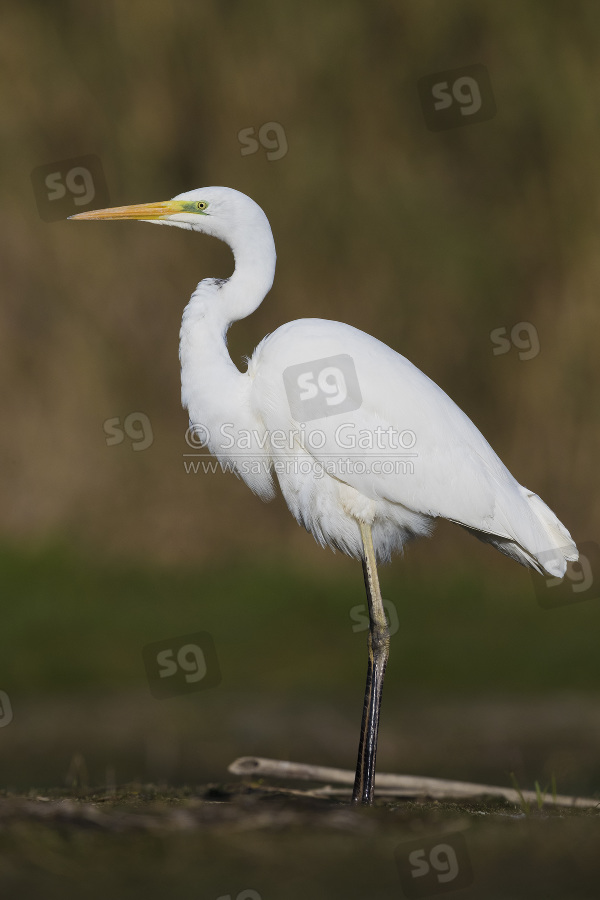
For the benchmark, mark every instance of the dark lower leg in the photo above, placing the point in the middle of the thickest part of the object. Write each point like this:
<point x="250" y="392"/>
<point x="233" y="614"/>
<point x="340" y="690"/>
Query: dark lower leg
<point x="378" y="643"/>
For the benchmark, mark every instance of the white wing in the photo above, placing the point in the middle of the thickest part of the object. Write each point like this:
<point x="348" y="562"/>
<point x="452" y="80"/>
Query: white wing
<point x="455" y="474"/>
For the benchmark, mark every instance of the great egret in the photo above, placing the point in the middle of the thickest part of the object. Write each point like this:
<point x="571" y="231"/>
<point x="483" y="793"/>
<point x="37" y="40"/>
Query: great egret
<point x="368" y="451"/>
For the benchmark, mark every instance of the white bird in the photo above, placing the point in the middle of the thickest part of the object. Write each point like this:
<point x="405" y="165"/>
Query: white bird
<point x="367" y="450"/>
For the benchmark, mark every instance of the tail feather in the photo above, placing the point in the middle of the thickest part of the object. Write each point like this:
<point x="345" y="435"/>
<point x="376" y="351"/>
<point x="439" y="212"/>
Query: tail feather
<point x="560" y="547"/>
<point x="538" y="539"/>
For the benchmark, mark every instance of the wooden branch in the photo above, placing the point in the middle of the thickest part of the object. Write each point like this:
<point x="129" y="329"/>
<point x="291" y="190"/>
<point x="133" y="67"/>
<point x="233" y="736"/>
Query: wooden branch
<point x="396" y="785"/>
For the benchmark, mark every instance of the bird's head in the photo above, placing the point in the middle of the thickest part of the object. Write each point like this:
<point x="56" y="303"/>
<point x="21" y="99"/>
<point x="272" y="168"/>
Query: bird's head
<point x="220" y="211"/>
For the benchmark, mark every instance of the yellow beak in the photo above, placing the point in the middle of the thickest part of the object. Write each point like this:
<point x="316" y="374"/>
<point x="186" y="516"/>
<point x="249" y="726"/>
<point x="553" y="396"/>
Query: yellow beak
<point x="137" y="211"/>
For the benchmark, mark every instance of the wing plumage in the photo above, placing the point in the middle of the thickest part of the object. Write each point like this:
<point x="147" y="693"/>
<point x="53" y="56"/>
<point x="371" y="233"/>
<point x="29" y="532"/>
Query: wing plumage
<point x="440" y="465"/>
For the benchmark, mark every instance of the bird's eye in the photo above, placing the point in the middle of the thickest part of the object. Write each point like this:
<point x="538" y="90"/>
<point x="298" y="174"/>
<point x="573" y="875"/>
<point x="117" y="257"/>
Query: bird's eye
<point x="201" y="204"/>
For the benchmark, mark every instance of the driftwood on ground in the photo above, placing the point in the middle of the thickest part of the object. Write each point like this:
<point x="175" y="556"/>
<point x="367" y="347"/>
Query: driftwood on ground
<point x="397" y="785"/>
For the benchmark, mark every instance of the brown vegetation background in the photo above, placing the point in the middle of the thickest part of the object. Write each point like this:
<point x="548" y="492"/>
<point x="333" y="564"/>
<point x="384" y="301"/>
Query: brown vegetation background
<point x="428" y="240"/>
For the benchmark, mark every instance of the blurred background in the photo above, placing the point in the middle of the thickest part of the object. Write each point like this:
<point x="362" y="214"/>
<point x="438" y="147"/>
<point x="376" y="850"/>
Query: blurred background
<point x="470" y="246"/>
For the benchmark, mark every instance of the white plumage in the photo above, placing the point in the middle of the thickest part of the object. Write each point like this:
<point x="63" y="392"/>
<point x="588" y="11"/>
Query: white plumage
<point x="367" y="450"/>
<point x="450" y="472"/>
<point x="455" y="473"/>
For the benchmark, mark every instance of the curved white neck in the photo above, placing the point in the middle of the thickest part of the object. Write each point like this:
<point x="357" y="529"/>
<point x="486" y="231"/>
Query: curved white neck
<point x="223" y="301"/>
<point x="211" y="385"/>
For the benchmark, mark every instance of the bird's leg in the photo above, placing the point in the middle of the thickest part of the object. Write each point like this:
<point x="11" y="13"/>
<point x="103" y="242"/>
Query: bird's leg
<point x="379" y="643"/>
